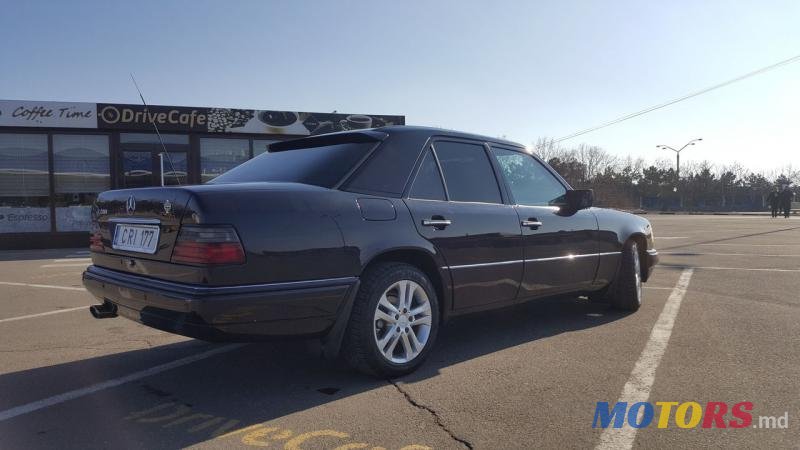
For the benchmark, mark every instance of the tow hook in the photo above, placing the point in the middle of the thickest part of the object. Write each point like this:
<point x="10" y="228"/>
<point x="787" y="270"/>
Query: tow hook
<point x="105" y="311"/>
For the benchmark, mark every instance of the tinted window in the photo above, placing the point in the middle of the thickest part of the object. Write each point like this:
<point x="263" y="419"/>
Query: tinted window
<point x="530" y="182"/>
<point x="428" y="184"/>
<point x="467" y="172"/>
<point x="321" y="166"/>
<point x="387" y="170"/>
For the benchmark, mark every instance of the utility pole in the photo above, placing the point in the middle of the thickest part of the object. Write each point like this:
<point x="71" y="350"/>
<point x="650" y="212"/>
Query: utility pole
<point x="678" y="162"/>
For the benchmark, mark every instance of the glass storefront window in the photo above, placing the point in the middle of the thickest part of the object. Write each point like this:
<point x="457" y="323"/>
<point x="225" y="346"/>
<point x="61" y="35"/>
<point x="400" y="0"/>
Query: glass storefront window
<point x="81" y="163"/>
<point x="140" y="164"/>
<point x="175" y="169"/>
<point x="81" y="171"/>
<point x="24" y="183"/>
<point x="260" y="146"/>
<point x="218" y="155"/>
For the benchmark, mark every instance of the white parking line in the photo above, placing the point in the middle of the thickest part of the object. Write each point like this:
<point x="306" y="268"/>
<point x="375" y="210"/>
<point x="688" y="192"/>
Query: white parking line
<point x="84" y="264"/>
<point x="77" y="393"/>
<point x="745" y="268"/>
<point x="670" y="237"/>
<point x="726" y="254"/>
<point x="46" y="286"/>
<point x="68" y="260"/>
<point x="637" y="389"/>
<point x="751" y="245"/>
<point x="58" y="311"/>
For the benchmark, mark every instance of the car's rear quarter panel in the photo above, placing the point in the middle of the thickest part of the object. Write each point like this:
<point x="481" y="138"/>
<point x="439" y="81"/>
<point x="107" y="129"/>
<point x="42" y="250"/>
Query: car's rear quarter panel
<point x="288" y="235"/>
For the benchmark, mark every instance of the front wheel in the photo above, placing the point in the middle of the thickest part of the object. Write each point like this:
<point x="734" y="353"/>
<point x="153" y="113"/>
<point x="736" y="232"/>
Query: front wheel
<point x="626" y="290"/>
<point x="394" y="321"/>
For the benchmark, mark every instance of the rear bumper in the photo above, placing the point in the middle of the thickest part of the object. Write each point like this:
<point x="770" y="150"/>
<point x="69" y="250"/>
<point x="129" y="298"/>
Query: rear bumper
<point x="650" y="263"/>
<point x="225" y="313"/>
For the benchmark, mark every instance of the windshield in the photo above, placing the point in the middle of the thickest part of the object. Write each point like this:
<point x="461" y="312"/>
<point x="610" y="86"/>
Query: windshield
<point x="321" y="166"/>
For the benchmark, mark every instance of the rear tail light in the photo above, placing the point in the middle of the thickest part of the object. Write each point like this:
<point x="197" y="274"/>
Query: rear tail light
<point x="208" y="245"/>
<point x="96" y="242"/>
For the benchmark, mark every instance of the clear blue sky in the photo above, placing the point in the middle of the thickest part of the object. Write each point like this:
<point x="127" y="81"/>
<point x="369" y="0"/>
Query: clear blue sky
<point x="521" y="69"/>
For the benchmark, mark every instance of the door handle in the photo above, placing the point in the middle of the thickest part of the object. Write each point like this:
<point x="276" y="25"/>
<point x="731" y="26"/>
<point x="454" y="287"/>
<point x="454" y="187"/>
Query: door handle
<point x="532" y="223"/>
<point x="436" y="223"/>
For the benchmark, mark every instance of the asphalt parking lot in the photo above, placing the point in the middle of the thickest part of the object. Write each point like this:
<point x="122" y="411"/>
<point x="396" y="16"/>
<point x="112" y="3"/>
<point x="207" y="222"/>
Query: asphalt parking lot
<point x="720" y="322"/>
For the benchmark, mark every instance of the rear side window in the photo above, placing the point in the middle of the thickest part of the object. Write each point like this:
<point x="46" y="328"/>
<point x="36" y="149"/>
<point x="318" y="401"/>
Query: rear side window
<point x="321" y="166"/>
<point x="467" y="172"/>
<point x="387" y="170"/>
<point x="428" y="183"/>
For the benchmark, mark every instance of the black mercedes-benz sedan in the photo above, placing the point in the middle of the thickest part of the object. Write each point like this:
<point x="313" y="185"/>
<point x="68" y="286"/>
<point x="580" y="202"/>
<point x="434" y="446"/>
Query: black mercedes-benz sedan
<point x="368" y="240"/>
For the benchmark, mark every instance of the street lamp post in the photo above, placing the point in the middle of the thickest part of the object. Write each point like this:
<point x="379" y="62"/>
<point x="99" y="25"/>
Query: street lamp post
<point x="678" y="161"/>
<point x="678" y="155"/>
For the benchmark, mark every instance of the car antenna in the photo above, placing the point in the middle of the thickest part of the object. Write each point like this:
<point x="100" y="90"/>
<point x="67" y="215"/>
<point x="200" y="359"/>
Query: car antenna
<point x="161" y="141"/>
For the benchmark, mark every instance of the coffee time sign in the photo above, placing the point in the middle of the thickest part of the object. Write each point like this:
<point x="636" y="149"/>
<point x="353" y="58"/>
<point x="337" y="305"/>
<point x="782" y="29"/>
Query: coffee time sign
<point x="14" y="113"/>
<point x="113" y="116"/>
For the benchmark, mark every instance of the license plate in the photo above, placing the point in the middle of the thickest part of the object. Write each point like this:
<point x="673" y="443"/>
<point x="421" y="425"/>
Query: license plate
<point x="136" y="238"/>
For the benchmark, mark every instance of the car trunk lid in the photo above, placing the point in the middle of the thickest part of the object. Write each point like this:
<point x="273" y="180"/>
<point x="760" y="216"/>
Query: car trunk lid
<point x="140" y="223"/>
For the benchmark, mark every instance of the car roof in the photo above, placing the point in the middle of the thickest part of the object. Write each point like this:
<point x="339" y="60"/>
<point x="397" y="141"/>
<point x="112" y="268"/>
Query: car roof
<point x="408" y="133"/>
<point x="426" y="132"/>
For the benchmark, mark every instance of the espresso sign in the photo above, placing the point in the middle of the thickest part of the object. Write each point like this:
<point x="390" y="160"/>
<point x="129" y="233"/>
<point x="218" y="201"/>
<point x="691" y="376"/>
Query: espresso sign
<point x="14" y="113"/>
<point x="139" y="117"/>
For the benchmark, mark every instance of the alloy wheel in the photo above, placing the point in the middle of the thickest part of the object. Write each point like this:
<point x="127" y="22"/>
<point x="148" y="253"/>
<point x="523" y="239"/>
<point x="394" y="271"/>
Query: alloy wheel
<point x="402" y="321"/>
<point x="637" y="268"/>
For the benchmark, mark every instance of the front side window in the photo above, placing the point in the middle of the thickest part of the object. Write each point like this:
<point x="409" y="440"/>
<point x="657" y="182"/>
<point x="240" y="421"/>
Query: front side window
<point x="428" y="184"/>
<point x="467" y="172"/>
<point x="530" y="182"/>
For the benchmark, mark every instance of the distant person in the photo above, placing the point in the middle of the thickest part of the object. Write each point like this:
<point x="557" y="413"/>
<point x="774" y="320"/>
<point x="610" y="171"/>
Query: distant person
<point x="774" y="201"/>
<point x="786" y="201"/>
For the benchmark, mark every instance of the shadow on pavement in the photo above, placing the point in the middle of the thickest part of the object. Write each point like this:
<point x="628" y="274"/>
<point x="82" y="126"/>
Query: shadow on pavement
<point x="253" y="384"/>
<point x="45" y="254"/>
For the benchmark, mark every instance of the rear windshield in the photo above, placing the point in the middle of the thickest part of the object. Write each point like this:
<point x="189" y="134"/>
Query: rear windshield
<point x="321" y="166"/>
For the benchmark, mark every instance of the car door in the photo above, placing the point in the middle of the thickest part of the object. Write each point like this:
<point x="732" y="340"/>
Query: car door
<point x="560" y="247"/>
<point x="465" y="218"/>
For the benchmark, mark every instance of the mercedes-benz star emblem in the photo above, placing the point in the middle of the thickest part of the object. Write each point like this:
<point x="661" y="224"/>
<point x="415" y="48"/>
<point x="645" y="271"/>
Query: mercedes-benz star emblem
<point x="167" y="207"/>
<point x="130" y="205"/>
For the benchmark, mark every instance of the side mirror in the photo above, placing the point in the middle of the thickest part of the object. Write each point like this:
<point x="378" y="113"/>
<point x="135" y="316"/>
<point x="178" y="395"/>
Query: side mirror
<point x="578" y="199"/>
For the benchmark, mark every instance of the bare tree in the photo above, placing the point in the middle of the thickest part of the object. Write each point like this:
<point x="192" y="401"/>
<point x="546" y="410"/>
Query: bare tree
<point x="594" y="158"/>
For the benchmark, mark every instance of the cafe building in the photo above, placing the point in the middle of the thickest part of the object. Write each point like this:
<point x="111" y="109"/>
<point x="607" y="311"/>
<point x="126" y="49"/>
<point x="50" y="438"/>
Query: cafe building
<point x="55" y="157"/>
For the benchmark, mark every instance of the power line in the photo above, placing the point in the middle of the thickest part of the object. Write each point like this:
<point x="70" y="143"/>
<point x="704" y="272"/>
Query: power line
<point x="679" y="99"/>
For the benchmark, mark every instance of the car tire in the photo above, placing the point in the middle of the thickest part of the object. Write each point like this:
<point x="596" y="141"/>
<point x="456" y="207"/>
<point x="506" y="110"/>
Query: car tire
<point x="394" y="321"/>
<point x="626" y="290"/>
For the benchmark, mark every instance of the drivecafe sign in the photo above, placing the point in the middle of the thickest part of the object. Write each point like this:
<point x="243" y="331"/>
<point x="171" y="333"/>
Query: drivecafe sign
<point x="176" y="118"/>
<point x="15" y="113"/>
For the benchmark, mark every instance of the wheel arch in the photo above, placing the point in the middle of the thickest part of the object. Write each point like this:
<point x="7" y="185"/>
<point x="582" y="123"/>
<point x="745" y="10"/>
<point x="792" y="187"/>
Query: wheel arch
<point x="641" y="245"/>
<point x="427" y="263"/>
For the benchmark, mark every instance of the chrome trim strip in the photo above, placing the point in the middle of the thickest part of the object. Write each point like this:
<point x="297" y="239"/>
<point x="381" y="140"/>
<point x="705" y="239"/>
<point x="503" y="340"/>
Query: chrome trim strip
<point x="572" y="256"/>
<point x="134" y="220"/>
<point x="553" y="258"/>
<point x="468" y="266"/>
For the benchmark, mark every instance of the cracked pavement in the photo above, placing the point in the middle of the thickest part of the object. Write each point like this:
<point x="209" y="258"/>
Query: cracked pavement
<point x="524" y="377"/>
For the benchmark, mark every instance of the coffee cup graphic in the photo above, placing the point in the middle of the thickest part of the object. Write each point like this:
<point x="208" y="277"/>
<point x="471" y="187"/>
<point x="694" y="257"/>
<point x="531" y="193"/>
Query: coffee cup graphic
<point x="278" y="121"/>
<point x="356" y="122"/>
